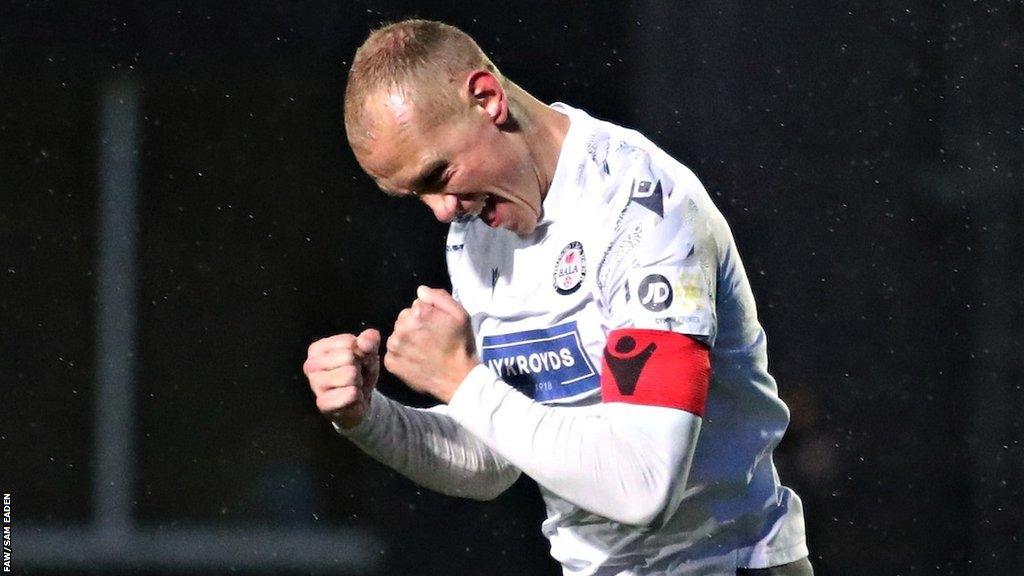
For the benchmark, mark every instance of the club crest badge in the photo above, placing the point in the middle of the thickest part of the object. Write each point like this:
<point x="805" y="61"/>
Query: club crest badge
<point x="570" y="269"/>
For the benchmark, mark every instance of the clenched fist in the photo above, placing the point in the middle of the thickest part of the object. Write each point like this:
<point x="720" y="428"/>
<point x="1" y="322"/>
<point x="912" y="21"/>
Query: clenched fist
<point x="432" y="347"/>
<point x="342" y="371"/>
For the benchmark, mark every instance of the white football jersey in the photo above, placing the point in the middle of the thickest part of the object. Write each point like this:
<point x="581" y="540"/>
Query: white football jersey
<point x="628" y="237"/>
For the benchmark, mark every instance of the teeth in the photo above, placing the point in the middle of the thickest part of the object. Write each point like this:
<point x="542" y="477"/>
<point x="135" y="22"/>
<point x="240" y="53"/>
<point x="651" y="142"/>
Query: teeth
<point x="480" y="207"/>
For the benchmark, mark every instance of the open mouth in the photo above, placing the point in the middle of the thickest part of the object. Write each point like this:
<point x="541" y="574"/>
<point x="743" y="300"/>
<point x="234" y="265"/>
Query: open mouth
<point x="489" y="213"/>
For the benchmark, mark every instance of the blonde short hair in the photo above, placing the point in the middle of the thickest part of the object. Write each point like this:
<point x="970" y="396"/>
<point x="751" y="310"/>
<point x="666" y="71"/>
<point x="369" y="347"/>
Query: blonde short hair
<point x="422" y="59"/>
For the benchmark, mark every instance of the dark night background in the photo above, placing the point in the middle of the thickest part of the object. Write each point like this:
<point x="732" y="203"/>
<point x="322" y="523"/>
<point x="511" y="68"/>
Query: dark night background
<point x="868" y="156"/>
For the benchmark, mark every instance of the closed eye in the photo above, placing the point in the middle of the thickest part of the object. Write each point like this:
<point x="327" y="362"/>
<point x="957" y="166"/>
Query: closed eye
<point x="431" y="177"/>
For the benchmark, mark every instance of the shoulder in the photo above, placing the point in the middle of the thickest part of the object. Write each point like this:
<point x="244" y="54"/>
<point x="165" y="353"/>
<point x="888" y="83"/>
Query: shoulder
<point x="648" y="175"/>
<point x="662" y="211"/>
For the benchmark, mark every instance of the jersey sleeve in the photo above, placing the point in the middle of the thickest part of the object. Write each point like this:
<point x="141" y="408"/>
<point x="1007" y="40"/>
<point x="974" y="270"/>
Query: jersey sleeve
<point x="625" y="462"/>
<point x="661" y="259"/>
<point x="430" y="448"/>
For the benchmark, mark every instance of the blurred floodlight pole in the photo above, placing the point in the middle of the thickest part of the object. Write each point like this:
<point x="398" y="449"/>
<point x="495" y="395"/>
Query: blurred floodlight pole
<point x="115" y="311"/>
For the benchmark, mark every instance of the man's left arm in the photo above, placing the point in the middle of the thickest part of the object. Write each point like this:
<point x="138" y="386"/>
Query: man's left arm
<point x="626" y="459"/>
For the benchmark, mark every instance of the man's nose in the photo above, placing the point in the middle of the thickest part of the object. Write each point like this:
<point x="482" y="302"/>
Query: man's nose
<point x="446" y="207"/>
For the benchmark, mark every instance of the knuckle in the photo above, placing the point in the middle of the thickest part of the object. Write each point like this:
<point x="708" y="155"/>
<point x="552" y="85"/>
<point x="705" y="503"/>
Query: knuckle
<point x="319" y="384"/>
<point x="325" y="345"/>
<point x="335" y="379"/>
<point x="310" y="366"/>
<point x="339" y="357"/>
<point x="347" y="374"/>
<point x="315" y="347"/>
<point x="342" y="341"/>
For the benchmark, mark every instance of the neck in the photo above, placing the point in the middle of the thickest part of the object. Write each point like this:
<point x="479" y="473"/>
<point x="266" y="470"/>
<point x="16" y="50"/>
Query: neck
<point x="543" y="130"/>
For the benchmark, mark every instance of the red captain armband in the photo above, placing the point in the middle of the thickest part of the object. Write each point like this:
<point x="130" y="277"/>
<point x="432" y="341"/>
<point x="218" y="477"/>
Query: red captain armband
<point x="656" y="368"/>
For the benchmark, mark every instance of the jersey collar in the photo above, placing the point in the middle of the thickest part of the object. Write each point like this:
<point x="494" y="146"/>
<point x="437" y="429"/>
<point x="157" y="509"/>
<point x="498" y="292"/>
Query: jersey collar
<point x="570" y="158"/>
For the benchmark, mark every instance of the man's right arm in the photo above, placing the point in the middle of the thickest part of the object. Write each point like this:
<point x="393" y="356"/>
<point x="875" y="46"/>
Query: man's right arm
<point x="430" y="448"/>
<point x="427" y="446"/>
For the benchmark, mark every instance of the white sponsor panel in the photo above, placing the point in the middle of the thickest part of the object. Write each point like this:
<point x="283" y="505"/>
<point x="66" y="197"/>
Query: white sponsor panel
<point x="674" y="298"/>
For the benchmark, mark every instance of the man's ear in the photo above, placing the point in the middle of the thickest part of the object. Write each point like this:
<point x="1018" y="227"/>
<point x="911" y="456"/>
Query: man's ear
<point x="486" y="91"/>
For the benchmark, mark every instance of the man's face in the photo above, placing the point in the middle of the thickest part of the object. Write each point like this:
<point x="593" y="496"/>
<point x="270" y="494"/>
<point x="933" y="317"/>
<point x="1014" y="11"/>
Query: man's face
<point x="464" y="165"/>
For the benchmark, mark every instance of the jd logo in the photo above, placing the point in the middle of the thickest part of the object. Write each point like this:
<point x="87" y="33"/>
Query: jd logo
<point x="655" y="292"/>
